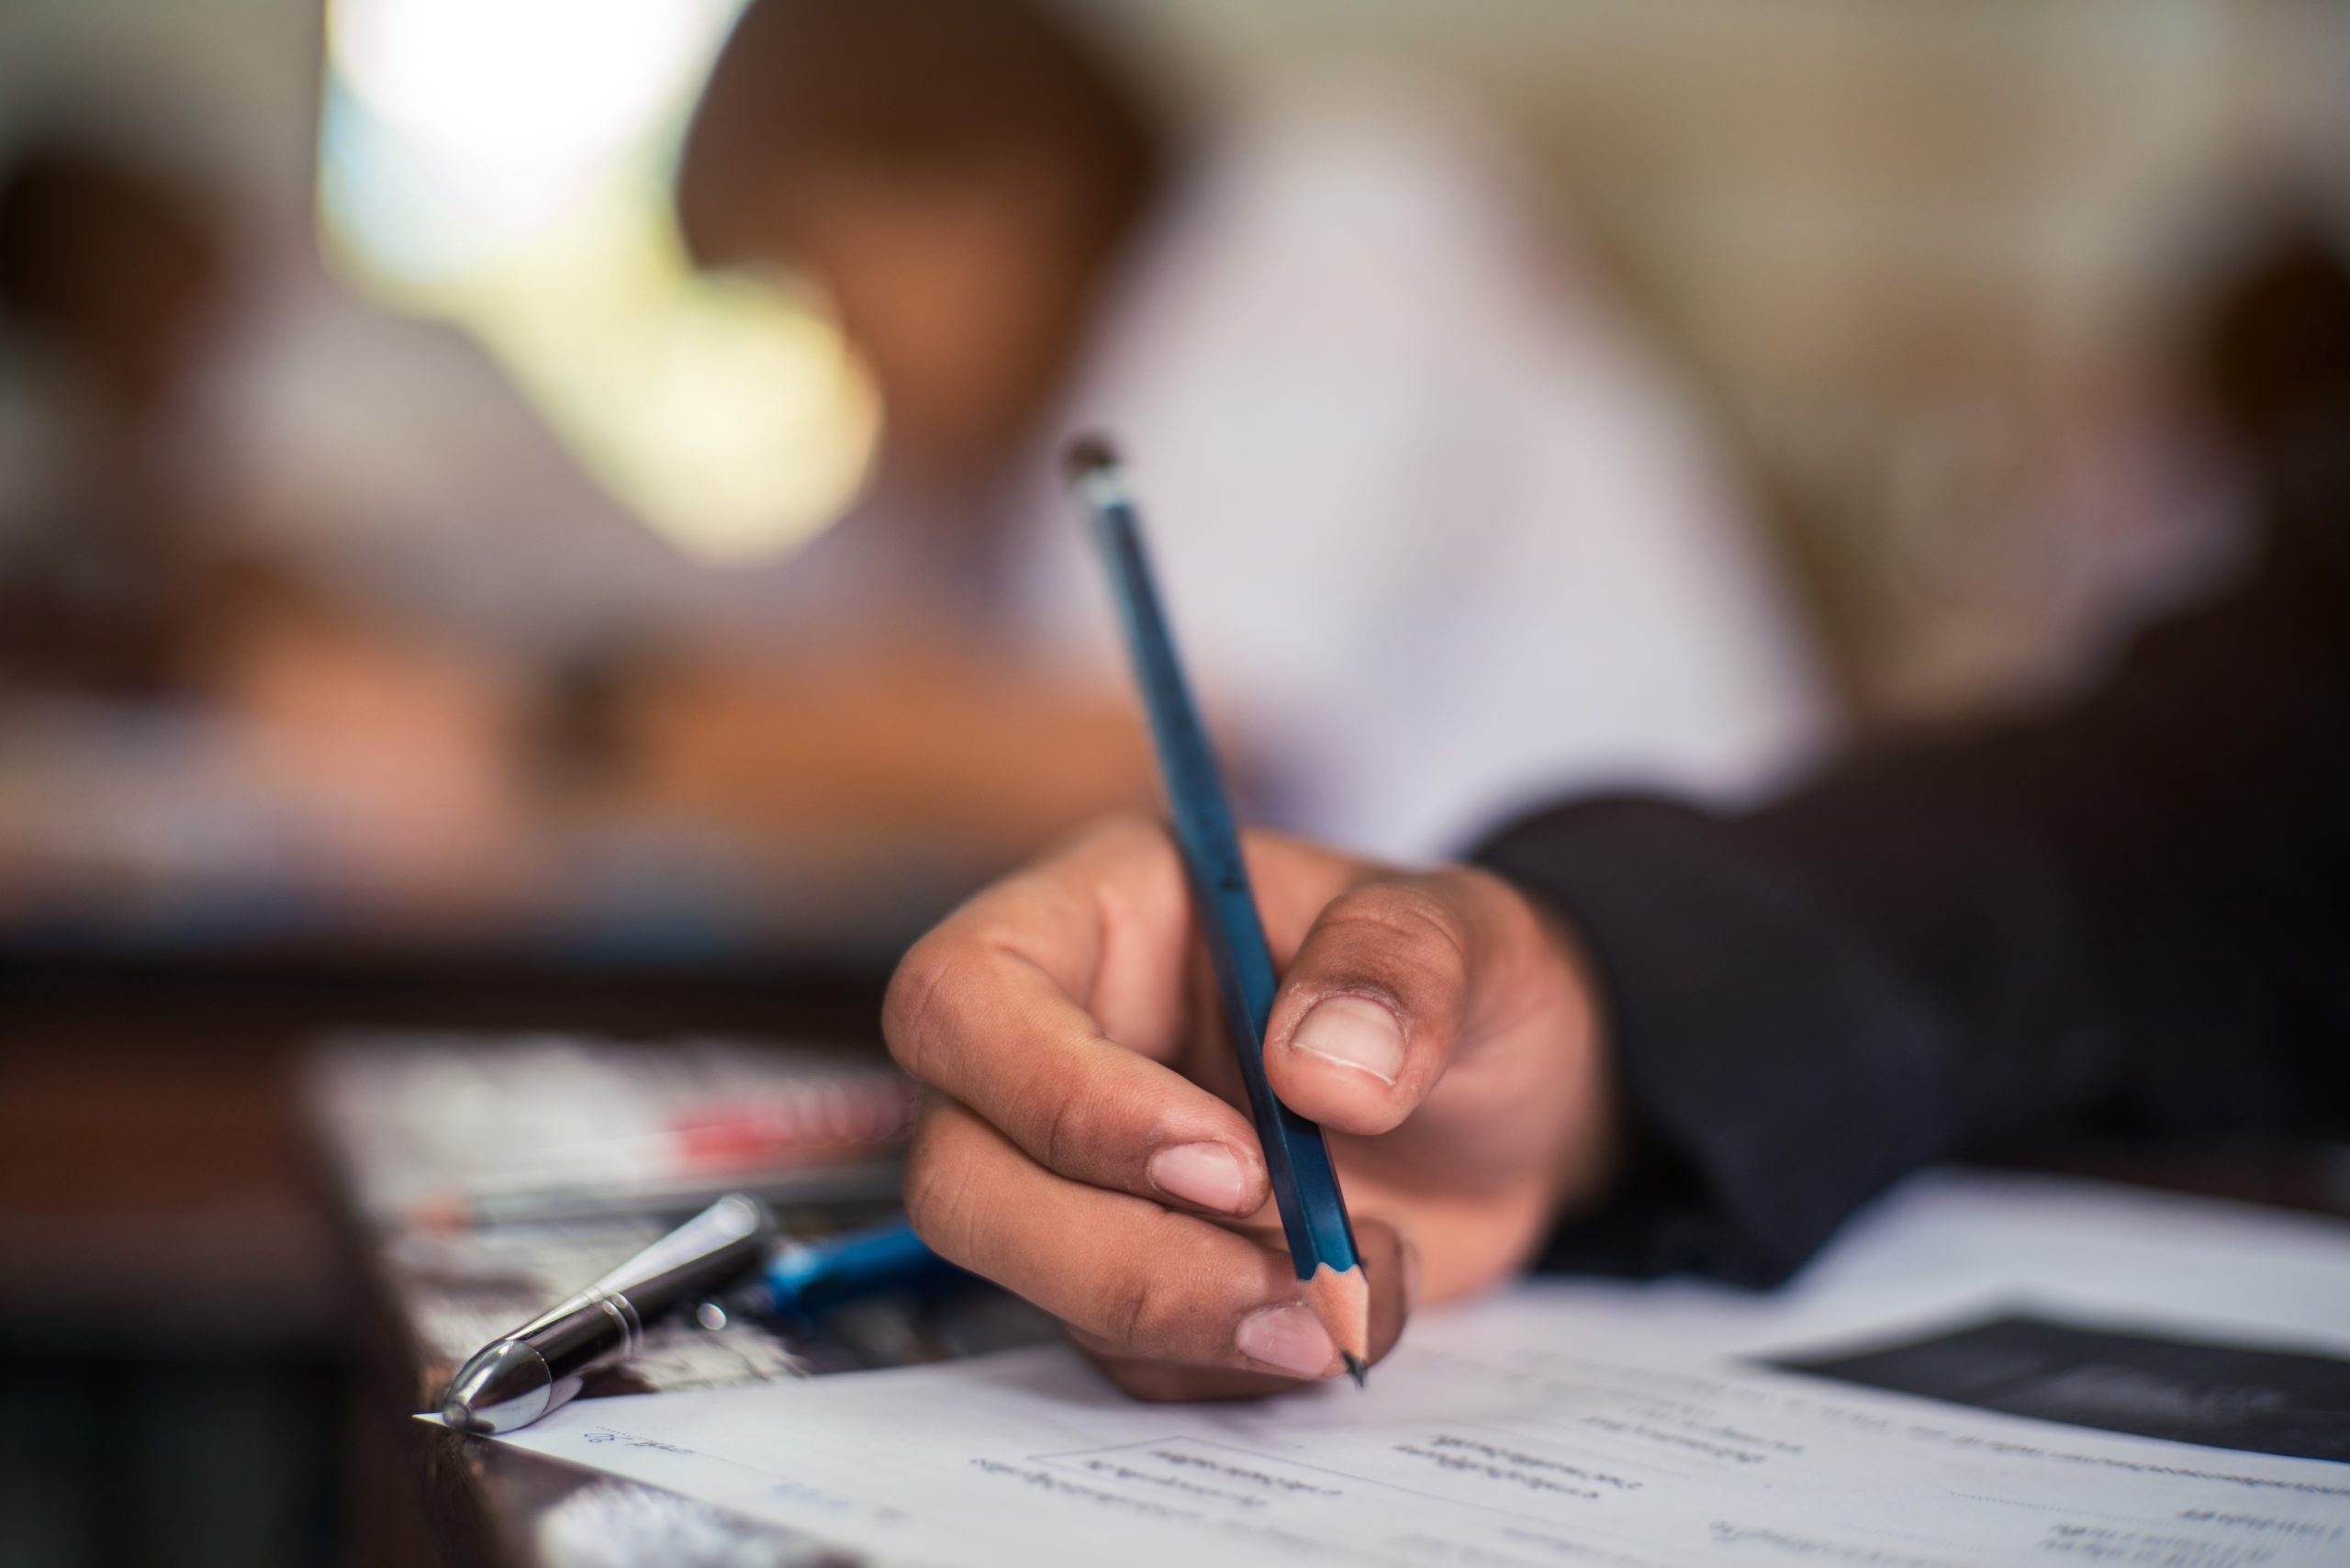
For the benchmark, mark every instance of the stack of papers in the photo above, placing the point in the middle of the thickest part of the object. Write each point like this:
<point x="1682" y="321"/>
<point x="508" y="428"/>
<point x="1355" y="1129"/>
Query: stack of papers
<point x="1983" y="1371"/>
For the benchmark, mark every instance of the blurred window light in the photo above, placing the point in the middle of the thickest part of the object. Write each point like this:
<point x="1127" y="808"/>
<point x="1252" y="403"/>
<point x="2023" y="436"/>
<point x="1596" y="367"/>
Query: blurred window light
<point x="504" y="165"/>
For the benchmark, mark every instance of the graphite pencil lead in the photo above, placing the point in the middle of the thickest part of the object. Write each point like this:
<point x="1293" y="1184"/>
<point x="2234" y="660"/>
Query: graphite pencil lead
<point x="1356" y="1369"/>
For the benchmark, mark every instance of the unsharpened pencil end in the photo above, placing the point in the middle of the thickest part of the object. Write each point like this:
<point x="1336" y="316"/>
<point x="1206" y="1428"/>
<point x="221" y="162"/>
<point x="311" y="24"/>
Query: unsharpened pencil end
<point x="1357" y="1369"/>
<point x="1087" y="453"/>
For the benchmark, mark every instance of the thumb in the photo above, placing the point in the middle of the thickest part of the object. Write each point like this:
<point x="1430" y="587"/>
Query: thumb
<point x="1374" y="1004"/>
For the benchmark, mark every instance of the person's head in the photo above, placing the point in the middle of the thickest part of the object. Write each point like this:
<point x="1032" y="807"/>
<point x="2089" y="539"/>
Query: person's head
<point x="111" y="264"/>
<point x="956" y="174"/>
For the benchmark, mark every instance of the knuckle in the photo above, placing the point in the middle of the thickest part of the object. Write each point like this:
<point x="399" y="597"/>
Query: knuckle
<point x="910" y="1007"/>
<point x="1419" y="912"/>
<point x="1406" y="927"/>
<point x="1132" y="1311"/>
<point x="1150" y="1308"/>
<point x="1062" y="1135"/>
<point x="938" y="1193"/>
<point x="1078" y="1128"/>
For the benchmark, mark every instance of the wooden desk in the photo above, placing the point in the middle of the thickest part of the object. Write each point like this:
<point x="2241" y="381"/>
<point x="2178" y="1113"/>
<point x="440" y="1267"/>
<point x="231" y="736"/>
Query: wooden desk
<point x="175" y="1261"/>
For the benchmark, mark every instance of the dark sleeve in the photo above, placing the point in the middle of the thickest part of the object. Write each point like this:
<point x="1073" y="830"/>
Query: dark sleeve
<point x="2133" y="917"/>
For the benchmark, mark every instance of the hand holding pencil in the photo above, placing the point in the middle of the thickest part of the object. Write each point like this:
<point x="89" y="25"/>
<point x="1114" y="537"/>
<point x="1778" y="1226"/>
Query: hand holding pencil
<point x="1092" y="1145"/>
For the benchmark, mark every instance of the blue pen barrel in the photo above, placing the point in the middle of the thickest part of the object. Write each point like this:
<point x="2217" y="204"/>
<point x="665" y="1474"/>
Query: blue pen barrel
<point x="808" y="1279"/>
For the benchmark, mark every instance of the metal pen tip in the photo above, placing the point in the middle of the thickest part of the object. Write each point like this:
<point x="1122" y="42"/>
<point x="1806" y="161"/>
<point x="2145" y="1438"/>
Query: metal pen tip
<point x="505" y="1386"/>
<point x="1357" y="1369"/>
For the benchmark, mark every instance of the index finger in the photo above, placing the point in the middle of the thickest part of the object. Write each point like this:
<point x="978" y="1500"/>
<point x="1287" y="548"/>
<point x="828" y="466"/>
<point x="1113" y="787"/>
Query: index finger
<point x="1041" y="1005"/>
<point x="1133" y="1282"/>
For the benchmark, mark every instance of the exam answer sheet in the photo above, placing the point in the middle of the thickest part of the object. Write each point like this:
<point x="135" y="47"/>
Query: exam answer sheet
<point x="1994" y="1371"/>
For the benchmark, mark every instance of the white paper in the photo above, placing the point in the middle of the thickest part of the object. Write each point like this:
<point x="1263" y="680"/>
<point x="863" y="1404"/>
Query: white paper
<point x="1577" y="1423"/>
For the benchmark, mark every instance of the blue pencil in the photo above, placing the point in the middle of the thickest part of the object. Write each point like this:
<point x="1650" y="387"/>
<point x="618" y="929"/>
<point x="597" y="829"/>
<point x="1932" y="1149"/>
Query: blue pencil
<point x="1314" y="1213"/>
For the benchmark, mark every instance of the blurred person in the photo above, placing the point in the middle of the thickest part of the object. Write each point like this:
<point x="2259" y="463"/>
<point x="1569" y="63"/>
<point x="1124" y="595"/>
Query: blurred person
<point x="1642" y="1037"/>
<point x="179" y="345"/>
<point x="105" y="571"/>
<point x="1436" y="533"/>
<point x="233" y="490"/>
<point x="416" y="632"/>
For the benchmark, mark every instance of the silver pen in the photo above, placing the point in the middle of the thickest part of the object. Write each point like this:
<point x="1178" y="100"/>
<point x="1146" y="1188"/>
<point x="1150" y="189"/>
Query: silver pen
<point x="521" y="1376"/>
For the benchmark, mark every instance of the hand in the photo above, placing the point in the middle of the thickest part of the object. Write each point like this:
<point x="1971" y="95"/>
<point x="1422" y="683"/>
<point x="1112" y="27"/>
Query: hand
<point x="1083" y="1148"/>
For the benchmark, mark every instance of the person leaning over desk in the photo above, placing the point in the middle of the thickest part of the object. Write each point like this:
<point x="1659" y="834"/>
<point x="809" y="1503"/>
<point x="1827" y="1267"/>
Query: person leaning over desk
<point x="1366" y="386"/>
<point x="1636" y="1037"/>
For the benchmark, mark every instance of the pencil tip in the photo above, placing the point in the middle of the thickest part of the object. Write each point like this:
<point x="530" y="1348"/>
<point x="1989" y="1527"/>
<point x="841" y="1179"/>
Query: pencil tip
<point x="1086" y="454"/>
<point x="1341" y="1299"/>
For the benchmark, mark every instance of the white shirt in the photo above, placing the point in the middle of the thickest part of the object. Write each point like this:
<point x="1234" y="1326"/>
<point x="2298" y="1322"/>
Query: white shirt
<point x="1437" y="540"/>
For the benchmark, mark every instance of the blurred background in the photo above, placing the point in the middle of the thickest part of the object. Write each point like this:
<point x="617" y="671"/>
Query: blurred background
<point x="529" y="513"/>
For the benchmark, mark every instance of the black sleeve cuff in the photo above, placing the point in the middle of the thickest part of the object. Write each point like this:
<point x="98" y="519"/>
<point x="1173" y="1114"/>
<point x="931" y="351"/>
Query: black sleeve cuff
<point x="1777" y="1072"/>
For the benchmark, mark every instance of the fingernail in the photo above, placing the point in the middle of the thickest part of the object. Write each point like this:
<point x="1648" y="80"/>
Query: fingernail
<point x="1411" y="1276"/>
<point x="1207" y="1174"/>
<point x="1356" y="1032"/>
<point x="1289" y="1337"/>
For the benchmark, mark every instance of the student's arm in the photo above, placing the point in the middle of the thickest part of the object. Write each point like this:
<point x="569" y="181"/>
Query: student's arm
<point x="2133" y="917"/>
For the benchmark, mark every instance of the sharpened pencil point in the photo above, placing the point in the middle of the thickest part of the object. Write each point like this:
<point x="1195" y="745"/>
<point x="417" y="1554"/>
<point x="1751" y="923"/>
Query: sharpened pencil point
<point x="1341" y="1299"/>
<point x="1087" y="453"/>
<point x="1357" y="1369"/>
